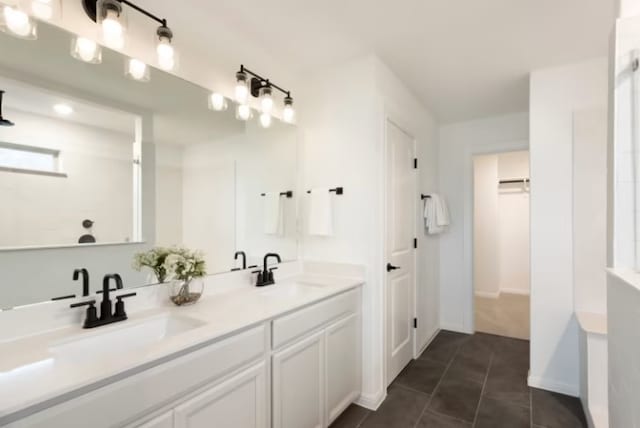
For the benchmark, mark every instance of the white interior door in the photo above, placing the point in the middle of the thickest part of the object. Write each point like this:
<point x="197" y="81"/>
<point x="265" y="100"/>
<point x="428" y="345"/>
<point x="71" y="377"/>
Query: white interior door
<point x="401" y="223"/>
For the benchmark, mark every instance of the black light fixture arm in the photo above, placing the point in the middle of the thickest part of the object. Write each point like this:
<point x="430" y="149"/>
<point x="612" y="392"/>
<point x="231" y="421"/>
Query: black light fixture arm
<point x="145" y="12"/>
<point x="90" y="7"/>
<point x="244" y="69"/>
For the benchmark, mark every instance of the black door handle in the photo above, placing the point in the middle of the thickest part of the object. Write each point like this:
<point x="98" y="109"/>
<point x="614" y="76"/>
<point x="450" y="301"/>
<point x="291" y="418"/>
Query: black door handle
<point x="391" y="267"/>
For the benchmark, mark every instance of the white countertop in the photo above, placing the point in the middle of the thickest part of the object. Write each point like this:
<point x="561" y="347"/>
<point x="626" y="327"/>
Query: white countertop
<point x="32" y="378"/>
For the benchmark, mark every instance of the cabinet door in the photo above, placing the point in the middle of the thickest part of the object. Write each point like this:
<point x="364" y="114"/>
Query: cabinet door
<point x="238" y="402"/>
<point x="342" y="342"/>
<point x="163" y="421"/>
<point x="298" y="384"/>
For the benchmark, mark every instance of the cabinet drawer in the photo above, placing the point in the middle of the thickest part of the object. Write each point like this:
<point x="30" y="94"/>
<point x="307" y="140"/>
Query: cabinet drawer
<point x="299" y="323"/>
<point x="130" y="399"/>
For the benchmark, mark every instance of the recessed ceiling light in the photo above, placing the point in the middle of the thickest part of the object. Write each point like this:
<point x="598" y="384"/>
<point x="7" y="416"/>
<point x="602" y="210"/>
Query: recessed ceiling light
<point x="63" y="109"/>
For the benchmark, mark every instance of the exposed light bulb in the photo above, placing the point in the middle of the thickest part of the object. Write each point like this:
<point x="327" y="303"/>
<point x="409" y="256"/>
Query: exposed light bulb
<point x="86" y="50"/>
<point x="112" y="30"/>
<point x="241" y="89"/>
<point x="288" y="113"/>
<point x="265" y="120"/>
<point x="42" y="9"/>
<point x="63" y="109"/>
<point x="18" y="22"/>
<point x="164" y="49"/>
<point x="137" y="70"/>
<point x="266" y="100"/>
<point x="217" y="102"/>
<point x="243" y="112"/>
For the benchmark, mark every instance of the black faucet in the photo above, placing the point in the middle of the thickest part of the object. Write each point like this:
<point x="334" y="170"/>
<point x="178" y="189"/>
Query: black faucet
<point x="244" y="258"/>
<point x="107" y="316"/>
<point x="265" y="277"/>
<point x="85" y="280"/>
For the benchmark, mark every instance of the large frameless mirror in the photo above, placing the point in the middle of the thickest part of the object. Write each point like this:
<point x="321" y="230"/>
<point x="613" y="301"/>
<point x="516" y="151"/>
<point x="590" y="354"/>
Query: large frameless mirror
<point x="99" y="167"/>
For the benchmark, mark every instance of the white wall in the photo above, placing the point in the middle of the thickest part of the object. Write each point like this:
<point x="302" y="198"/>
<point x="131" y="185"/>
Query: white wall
<point x="513" y="224"/>
<point x="343" y="114"/>
<point x="458" y="143"/>
<point x="49" y="210"/>
<point x="624" y="348"/>
<point x="486" y="236"/>
<point x="556" y="94"/>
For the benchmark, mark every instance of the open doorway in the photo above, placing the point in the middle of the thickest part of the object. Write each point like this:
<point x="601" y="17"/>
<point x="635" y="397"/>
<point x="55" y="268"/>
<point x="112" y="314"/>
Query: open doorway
<point x="501" y="243"/>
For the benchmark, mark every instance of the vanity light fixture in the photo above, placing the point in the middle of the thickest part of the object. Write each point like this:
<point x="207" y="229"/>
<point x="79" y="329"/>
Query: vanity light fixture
<point x="288" y="113"/>
<point x="262" y="89"/>
<point x="63" y="109"/>
<point x="111" y="20"/>
<point x="137" y="70"/>
<point x="15" y="21"/>
<point x="241" y="89"/>
<point x="111" y="17"/>
<point x="217" y="102"/>
<point x="86" y="50"/>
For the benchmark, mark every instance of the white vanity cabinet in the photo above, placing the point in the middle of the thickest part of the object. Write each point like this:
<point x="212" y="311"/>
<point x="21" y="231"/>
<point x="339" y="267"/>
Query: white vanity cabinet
<point x="300" y="370"/>
<point x="316" y="364"/>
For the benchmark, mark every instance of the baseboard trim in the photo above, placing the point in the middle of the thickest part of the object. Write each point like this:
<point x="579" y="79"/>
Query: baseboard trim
<point x="487" y="294"/>
<point x="455" y="328"/>
<point x="553" y="386"/>
<point x="372" y="401"/>
<point x="428" y="342"/>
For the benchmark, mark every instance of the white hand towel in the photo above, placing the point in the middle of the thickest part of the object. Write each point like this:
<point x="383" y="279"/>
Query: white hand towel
<point x="436" y="214"/>
<point x="273" y="214"/>
<point x="320" y="213"/>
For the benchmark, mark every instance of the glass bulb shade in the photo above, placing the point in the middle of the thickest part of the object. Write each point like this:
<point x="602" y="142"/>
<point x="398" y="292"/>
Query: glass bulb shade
<point x="137" y="70"/>
<point x="243" y="112"/>
<point x="288" y="114"/>
<point x="217" y="102"/>
<point x="265" y="120"/>
<point x="266" y="100"/>
<point x="45" y="9"/>
<point x="86" y="50"/>
<point x="242" y="92"/>
<point x="17" y="23"/>
<point x="112" y="30"/>
<point x="166" y="54"/>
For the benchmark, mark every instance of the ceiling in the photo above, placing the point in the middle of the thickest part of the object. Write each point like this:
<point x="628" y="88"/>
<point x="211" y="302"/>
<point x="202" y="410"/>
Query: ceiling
<point x="464" y="59"/>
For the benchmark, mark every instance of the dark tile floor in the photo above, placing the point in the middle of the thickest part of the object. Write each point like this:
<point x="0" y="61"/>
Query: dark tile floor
<point x="464" y="381"/>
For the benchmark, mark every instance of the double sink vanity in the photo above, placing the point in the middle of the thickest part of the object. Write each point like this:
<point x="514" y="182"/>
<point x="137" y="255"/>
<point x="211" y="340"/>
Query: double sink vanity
<point x="286" y="355"/>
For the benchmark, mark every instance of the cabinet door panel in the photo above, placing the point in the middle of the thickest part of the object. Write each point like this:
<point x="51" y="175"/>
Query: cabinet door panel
<point x="239" y="402"/>
<point x="342" y="342"/>
<point x="298" y="384"/>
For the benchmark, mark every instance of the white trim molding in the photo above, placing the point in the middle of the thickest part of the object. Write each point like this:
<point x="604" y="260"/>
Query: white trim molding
<point x="553" y="386"/>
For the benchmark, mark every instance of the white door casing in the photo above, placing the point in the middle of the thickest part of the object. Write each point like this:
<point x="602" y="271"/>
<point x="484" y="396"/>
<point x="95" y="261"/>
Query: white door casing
<point x="400" y="252"/>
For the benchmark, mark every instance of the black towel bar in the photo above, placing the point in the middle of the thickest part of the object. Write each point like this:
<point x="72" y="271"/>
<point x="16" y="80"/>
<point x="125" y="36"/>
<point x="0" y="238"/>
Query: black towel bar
<point x="337" y="190"/>
<point x="288" y="194"/>
<point x="423" y="197"/>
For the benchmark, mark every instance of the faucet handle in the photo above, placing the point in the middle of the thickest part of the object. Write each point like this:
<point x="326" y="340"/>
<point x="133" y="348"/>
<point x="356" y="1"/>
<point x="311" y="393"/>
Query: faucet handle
<point x="120" y="312"/>
<point x="92" y="313"/>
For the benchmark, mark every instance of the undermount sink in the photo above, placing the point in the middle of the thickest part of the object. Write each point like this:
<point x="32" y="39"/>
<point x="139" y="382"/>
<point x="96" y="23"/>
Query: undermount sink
<point x="123" y="337"/>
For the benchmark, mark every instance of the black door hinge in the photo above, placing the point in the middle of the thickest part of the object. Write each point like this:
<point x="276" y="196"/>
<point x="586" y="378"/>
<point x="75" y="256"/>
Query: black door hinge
<point x="415" y="323"/>
<point x="415" y="242"/>
<point x="415" y="163"/>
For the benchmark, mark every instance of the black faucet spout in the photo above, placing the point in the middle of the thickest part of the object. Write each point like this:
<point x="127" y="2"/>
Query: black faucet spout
<point x="244" y="258"/>
<point x="105" y="306"/>
<point x="85" y="280"/>
<point x="267" y="257"/>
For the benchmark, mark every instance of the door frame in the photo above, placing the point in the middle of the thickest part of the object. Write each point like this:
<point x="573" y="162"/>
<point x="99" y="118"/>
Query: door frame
<point x="389" y="118"/>
<point x="469" y="311"/>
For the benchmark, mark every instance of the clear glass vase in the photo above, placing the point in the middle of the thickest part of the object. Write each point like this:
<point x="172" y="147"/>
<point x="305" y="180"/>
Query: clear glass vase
<point x="186" y="291"/>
